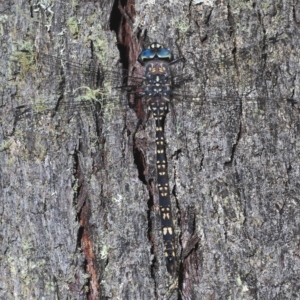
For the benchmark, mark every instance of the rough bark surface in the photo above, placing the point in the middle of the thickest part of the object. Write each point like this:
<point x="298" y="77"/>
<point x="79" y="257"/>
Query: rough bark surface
<point x="78" y="209"/>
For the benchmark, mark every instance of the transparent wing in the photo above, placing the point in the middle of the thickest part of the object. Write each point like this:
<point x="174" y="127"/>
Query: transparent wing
<point x="90" y="87"/>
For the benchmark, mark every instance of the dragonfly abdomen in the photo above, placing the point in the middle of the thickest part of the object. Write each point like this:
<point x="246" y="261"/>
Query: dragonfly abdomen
<point x="164" y="190"/>
<point x="164" y="197"/>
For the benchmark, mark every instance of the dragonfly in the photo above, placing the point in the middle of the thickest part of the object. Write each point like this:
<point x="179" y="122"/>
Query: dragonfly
<point x="157" y="88"/>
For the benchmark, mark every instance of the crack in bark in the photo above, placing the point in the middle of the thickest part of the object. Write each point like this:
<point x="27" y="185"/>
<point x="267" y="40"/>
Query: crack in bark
<point x="84" y="235"/>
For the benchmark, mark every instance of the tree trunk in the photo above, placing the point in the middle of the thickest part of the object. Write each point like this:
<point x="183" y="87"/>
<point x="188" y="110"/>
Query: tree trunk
<point x="79" y="200"/>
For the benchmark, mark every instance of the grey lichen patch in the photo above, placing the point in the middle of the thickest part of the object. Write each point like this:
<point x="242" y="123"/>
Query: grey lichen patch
<point x="5" y="144"/>
<point x="3" y="19"/>
<point x="39" y="105"/>
<point x="28" y="271"/>
<point x="103" y="96"/>
<point x="24" y="56"/>
<point x="104" y="252"/>
<point x="182" y="25"/>
<point x="40" y="150"/>
<point x="73" y="26"/>
<point x="11" y="161"/>
<point x="74" y="3"/>
<point x="46" y="6"/>
<point x="101" y="44"/>
<point x="90" y="94"/>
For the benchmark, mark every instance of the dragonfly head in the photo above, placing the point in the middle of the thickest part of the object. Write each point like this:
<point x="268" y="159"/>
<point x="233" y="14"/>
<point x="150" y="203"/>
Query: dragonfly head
<point x="155" y="51"/>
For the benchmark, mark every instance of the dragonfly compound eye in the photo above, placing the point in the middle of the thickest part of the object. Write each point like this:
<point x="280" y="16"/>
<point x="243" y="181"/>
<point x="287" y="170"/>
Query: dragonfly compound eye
<point x="155" y="52"/>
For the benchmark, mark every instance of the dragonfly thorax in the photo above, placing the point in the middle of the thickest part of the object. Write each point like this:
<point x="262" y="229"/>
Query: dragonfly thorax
<point x="157" y="91"/>
<point x="158" y="79"/>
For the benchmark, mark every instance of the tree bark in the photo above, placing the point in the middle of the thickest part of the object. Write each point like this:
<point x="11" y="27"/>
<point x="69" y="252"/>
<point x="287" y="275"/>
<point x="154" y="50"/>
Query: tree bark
<point x="79" y="202"/>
